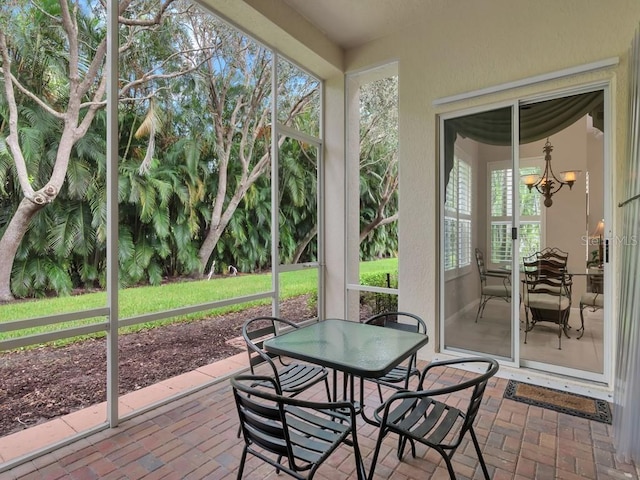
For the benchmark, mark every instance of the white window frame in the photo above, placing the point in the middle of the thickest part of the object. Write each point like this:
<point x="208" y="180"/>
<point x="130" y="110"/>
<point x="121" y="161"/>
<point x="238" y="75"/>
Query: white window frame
<point x="461" y="215"/>
<point x="352" y="234"/>
<point x="507" y="220"/>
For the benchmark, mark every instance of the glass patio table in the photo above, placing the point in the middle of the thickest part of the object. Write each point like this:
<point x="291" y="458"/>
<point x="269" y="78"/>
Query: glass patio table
<point x="356" y="349"/>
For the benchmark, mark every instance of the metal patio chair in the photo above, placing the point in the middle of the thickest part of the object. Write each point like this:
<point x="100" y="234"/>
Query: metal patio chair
<point x="435" y="417"/>
<point x="294" y="377"/>
<point x="400" y="375"/>
<point x="500" y="290"/>
<point x="294" y="435"/>
<point x="546" y="291"/>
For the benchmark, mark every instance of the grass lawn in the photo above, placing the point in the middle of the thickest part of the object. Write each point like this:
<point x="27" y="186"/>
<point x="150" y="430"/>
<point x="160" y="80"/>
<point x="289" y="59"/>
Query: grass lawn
<point x="141" y="300"/>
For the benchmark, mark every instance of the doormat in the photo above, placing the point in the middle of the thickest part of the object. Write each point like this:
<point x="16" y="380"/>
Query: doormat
<point x="564" y="402"/>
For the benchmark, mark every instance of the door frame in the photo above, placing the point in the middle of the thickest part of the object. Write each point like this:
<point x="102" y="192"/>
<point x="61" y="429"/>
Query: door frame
<point x="609" y="333"/>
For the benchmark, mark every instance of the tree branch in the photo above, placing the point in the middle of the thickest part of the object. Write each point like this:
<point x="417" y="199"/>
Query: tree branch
<point x="32" y="96"/>
<point x="148" y="77"/>
<point x="13" y="139"/>
<point x="144" y="23"/>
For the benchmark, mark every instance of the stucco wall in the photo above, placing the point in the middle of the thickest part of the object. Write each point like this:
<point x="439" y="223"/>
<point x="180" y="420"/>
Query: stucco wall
<point x="469" y="45"/>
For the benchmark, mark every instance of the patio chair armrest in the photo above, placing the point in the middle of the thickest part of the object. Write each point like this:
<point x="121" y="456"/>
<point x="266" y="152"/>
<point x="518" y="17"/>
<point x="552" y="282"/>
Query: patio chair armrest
<point x="444" y="363"/>
<point x="414" y="395"/>
<point x="342" y="411"/>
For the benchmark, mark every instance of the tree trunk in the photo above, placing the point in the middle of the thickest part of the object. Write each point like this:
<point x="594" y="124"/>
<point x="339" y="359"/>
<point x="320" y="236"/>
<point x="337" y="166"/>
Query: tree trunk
<point x="303" y="244"/>
<point x="10" y="241"/>
<point x="219" y="221"/>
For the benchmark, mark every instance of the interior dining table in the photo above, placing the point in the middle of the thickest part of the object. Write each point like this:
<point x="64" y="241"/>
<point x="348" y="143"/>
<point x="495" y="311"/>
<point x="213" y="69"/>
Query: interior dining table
<point x="356" y="349"/>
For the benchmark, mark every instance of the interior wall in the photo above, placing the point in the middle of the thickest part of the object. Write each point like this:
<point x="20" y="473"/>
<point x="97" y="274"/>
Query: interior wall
<point x="565" y="220"/>
<point x="470" y="46"/>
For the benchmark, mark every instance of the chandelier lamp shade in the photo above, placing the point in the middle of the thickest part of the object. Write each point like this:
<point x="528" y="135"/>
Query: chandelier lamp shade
<point x="547" y="183"/>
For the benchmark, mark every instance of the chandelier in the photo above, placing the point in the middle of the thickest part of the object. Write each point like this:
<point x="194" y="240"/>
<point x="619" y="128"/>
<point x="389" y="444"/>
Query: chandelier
<point x="547" y="183"/>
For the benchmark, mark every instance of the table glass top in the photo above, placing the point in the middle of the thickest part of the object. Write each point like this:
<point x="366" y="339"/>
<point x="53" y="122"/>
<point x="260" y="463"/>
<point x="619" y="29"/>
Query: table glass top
<point x="364" y="350"/>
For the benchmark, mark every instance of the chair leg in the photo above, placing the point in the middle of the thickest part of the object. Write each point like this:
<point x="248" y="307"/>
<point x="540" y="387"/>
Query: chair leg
<point x="479" y="453"/>
<point x="362" y="475"/>
<point x="581" y="329"/>
<point x="402" y="443"/>
<point x="483" y="303"/>
<point x="243" y="458"/>
<point x="326" y="384"/>
<point x="479" y="309"/>
<point x="380" y="392"/>
<point x="447" y="460"/>
<point x="376" y="452"/>
<point x="559" y="337"/>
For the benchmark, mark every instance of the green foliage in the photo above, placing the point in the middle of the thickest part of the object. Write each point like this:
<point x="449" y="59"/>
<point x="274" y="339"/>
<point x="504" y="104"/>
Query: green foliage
<point x="379" y="302"/>
<point x="595" y="258"/>
<point x="37" y="275"/>
<point x="147" y="299"/>
<point x="166" y="211"/>
<point x="379" y="168"/>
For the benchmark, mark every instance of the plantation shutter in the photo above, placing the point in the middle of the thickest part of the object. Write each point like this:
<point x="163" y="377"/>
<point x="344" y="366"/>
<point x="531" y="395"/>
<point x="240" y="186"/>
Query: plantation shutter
<point x="457" y="221"/>
<point x="530" y="231"/>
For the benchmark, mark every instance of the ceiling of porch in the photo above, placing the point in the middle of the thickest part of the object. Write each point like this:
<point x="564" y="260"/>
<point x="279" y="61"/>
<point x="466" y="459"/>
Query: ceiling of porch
<point x="350" y="23"/>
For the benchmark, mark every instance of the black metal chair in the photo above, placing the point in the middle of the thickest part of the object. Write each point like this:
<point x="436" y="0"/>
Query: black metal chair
<point x="294" y="377"/>
<point x="417" y="416"/>
<point x="546" y="291"/>
<point x="399" y="377"/>
<point x="303" y="433"/>
<point x="488" y="291"/>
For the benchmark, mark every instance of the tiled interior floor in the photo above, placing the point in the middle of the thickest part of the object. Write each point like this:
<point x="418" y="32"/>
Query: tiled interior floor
<point x="493" y="332"/>
<point x="195" y="437"/>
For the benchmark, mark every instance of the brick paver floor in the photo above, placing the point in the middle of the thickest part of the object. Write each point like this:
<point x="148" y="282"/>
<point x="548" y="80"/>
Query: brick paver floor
<point x="195" y="438"/>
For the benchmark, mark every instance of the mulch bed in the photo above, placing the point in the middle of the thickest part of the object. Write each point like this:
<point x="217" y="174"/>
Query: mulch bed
<point x="46" y="382"/>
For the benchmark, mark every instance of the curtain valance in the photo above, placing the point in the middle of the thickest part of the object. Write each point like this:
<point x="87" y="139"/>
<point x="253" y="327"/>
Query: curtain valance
<point x="537" y="121"/>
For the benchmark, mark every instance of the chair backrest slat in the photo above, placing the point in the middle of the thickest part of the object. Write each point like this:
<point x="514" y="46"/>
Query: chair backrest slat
<point x="255" y="331"/>
<point x="405" y="321"/>
<point x="545" y="272"/>
<point x="474" y="405"/>
<point x="482" y="269"/>
<point x="262" y="416"/>
<point x="301" y="433"/>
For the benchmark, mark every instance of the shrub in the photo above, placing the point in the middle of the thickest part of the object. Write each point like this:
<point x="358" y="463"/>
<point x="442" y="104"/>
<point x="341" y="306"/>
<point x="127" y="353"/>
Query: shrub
<point x="379" y="302"/>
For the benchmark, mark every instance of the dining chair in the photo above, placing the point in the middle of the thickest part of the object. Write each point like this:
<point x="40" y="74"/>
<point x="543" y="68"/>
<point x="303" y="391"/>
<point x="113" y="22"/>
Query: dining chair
<point x="438" y="418"/>
<point x="300" y="432"/>
<point x="400" y="375"/>
<point x="546" y="291"/>
<point x="593" y="298"/>
<point x="488" y="291"/>
<point x="294" y="377"/>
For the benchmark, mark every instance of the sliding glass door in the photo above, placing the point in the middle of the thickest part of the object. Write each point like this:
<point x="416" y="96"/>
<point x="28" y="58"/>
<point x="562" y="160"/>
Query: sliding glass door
<point x="476" y="185"/>
<point x="504" y="200"/>
<point x="570" y="218"/>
